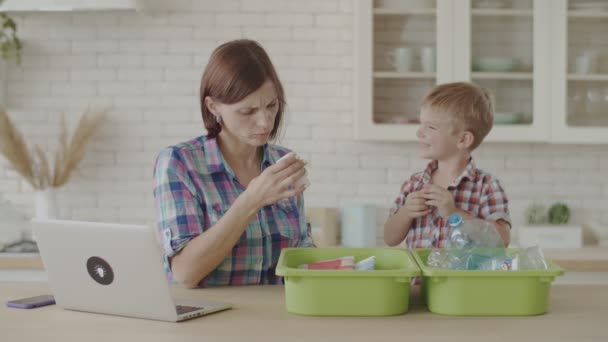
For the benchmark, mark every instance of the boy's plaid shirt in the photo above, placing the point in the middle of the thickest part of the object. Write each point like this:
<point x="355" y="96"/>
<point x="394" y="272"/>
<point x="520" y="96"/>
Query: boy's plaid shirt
<point x="474" y="191"/>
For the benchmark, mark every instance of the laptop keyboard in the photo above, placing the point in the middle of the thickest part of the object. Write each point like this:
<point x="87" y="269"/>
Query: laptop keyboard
<point x="182" y="309"/>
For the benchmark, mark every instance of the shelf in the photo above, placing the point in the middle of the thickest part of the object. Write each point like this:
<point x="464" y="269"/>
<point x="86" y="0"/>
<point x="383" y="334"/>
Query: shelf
<point x="20" y="261"/>
<point x="69" y="5"/>
<point x="390" y="11"/>
<point x="587" y="77"/>
<point x="501" y="12"/>
<point x="410" y="74"/>
<point x="587" y="121"/>
<point x="587" y="14"/>
<point x="481" y="75"/>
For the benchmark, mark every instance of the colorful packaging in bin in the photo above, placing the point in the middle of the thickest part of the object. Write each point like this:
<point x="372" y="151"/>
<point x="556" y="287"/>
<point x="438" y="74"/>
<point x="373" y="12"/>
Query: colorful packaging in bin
<point x="344" y="263"/>
<point x="367" y="264"/>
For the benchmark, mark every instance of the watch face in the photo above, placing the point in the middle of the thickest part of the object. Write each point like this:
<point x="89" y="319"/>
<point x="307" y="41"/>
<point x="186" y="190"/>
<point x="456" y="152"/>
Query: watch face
<point x="100" y="270"/>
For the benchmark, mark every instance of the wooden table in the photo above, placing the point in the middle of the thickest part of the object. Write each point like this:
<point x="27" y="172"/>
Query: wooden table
<point x="576" y="313"/>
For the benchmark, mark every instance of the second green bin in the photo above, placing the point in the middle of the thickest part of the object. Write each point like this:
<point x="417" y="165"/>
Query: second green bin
<point x="485" y="293"/>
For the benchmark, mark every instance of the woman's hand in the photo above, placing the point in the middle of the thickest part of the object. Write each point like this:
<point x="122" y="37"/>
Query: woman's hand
<point x="276" y="181"/>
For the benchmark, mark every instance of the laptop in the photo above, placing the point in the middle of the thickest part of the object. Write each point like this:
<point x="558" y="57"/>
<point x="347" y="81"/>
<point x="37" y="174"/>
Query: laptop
<point x="111" y="268"/>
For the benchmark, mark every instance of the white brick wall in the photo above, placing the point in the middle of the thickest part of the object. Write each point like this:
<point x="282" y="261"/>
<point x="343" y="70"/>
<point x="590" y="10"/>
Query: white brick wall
<point x="147" y="66"/>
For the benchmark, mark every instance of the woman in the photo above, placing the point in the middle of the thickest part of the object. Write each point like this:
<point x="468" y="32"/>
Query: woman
<point x="225" y="206"/>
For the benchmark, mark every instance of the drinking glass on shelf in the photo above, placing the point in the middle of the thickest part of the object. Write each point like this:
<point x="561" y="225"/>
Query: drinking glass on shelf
<point x="577" y="102"/>
<point x="605" y="103"/>
<point x="428" y="58"/>
<point x="585" y="63"/>
<point x="595" y="101"/>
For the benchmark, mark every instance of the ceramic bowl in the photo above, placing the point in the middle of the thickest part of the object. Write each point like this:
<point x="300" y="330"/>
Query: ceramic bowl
<point x="495" y="64"/>
<point x="507" y="118"/>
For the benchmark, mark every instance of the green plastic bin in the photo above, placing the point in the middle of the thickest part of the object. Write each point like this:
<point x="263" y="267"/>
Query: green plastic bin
<point x="382" y="292"/>
<point x="485" y="293"/>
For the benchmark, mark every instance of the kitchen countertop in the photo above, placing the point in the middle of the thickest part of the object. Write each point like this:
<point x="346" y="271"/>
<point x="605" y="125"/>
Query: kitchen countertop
<point x="577" y="312"/>
<point x="587" y="259"/>
<point x="20" y="261"/>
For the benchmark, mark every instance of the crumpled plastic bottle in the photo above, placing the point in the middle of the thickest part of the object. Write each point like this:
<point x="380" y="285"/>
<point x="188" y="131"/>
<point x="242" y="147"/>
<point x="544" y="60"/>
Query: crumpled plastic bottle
<point x="457" y="239"/>
<point x="473" y="232"/>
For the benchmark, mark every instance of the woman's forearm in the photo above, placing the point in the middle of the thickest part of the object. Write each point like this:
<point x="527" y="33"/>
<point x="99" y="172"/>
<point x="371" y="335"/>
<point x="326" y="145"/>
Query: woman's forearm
<point x="204" y="253"/>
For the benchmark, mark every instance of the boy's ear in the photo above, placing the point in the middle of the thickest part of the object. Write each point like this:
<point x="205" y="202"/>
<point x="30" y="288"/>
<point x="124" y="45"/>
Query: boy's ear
<point x="211" y="105"/>
<point x="466" y="140"/>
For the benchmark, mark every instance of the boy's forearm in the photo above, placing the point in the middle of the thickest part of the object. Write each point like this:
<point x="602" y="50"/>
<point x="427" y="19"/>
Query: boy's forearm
<point x="397" y="227"/>
<point x="504" y="230"/>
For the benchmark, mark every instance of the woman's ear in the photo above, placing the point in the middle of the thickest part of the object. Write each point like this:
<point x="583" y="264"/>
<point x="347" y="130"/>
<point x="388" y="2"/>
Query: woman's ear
<point x="211" y="106"/>
<point x="466" y="140"/>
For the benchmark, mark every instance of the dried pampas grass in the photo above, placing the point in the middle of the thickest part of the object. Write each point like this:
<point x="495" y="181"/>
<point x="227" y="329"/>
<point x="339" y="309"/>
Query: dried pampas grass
<point x="14" y="148"/>
<point x="35" y="168"/>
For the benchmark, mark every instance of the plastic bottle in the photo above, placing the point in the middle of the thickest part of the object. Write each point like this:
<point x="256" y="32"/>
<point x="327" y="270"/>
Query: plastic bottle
<point x="475" y="232"/>
<point x="457" y="238"/>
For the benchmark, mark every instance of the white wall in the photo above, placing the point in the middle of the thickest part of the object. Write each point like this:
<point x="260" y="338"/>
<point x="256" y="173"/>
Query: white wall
<point x="147" y="68"/>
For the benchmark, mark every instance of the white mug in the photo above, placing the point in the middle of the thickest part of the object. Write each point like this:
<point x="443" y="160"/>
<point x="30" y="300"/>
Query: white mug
<point x="401" y="58"/>
<point x="585" y="63"/>
<point x="428" y="58"/>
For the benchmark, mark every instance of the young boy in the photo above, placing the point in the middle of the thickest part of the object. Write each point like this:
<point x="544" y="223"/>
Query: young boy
<point x="454" y="120"/>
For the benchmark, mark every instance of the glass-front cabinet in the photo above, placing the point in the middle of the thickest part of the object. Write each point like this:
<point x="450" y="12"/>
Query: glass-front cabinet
<point x="402" y="51"/>
<point x="580" y="70"/>
<point x="544" y="61"/>
<point x="502" y="45"/>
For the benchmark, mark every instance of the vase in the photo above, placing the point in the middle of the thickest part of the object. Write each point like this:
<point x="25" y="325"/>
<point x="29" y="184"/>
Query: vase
<point x="45" y="204"/>
<point x="3" y="77"/>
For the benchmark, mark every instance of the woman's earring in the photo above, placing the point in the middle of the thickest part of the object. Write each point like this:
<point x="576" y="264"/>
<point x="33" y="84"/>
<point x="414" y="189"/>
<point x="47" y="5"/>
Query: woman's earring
<point x="218" y="119"/>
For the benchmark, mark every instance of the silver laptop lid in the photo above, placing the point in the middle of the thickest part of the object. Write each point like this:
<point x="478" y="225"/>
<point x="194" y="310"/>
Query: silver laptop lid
<point x="105" y="268"/>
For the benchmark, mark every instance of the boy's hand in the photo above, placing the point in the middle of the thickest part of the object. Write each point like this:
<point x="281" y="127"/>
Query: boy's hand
<point x="439" y="197"/>
<point x="415" y="206"/>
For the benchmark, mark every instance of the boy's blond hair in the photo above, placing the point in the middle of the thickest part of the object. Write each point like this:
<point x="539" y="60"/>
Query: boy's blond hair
<point x="468" y="106"/>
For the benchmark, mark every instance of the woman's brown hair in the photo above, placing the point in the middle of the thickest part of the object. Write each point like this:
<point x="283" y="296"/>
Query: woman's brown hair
<point x="235" y="70"/>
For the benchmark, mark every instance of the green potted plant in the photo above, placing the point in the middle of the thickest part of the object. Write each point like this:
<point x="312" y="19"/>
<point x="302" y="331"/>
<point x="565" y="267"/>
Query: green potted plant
<point x="10" y="47"/>
<point x="550" y="228"/>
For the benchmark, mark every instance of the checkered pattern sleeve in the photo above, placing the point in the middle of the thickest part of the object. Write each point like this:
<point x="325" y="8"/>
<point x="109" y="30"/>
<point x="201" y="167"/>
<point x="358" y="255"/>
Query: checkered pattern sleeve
<point x="305" y="233"/>
<point x="493" y="203"/>
<point x="406" y="189"/>
<point x="179" y="214"/>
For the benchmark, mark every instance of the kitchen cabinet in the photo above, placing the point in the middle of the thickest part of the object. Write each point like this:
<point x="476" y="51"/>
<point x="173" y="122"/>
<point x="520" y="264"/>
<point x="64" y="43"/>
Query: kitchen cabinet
<point x="521" y="50"/>
<point x="387" y="97"/>
<point x="579" y="88"/>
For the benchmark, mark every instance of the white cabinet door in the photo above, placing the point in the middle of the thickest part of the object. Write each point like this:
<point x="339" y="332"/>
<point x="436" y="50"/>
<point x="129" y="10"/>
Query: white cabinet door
<point x="501" y="45"/>
<point x="579" y="53"/>
<point x="402" y="50"/>
<point x="504" y="46"/>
